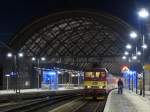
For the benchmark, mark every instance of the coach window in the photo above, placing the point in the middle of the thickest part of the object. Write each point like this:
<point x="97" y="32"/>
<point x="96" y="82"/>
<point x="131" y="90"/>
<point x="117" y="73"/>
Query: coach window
<point x="97" y="74"/>
<point x="88" y="74"/>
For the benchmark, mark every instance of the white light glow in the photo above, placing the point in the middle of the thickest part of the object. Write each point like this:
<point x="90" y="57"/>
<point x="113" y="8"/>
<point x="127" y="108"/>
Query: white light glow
<point x="134" y="57"/>
<point x="43" y="58"/>
<point x="143" y="13"/>
<point x="59" y="72"/>
<point x="73" y="75"/>
<point x="144" y="46"/>
<point x="124" y="57"/>
<point x="128" y="46"/>
<point x="139" y="53"/>
<point x="33" y="59"/>
<point x="126" y="53"/>
<point x="20" y="55"/>
<point x="133" y="35"/>
<point x="9" y="55"/>
<point x="7" y="75"/>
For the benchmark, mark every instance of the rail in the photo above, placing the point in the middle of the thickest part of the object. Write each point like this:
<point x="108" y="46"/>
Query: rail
<point x="91" y="106"/>
<point x="36" y="104"/>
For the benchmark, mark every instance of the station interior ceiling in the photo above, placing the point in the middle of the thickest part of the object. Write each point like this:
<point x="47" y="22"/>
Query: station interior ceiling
<point x="77" y="38"/>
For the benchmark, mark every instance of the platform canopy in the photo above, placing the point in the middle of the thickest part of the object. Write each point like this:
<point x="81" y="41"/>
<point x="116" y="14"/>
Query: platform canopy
<point x="79" y="38"/>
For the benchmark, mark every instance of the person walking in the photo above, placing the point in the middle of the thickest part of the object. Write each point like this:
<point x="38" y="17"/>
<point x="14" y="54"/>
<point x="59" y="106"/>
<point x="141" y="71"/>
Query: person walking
<point x="120" y="86"/>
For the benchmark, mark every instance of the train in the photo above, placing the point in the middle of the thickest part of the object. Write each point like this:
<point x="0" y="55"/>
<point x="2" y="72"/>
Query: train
<point x="98" y="83"/>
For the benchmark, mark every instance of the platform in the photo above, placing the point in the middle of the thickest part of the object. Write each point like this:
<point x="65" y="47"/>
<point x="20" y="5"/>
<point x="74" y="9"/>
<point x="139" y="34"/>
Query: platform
<point x="127" y="102"/>
<point x="3" y="92"/>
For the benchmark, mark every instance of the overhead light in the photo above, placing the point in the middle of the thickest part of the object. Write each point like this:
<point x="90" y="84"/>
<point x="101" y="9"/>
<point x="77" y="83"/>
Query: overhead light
<point x="20" y="55"/>
<point x="33" y="59"/>
<point x="73" y="75"/>
<point x="133" y="35"/>
<point x="138" y="53"/>
<point x="134" y="57"/>
<point x="143" y="13"/>
<point x="124" y="57"/>
<point x="9" y="55"/>
<point x="144" y="46"/>
<point x="59" y="72"/>
<point x="43" y="58"/>
<point x="126" y="53"/>
<point x="7" y="75"/>
<point x="128" y="46"/>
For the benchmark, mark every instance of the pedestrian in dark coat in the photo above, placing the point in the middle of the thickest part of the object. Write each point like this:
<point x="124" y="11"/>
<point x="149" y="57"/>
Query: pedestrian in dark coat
<point x="120" y="86"/>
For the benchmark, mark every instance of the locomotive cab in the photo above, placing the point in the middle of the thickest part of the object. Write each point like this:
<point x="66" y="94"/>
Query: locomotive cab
<point x="95" y="83"/>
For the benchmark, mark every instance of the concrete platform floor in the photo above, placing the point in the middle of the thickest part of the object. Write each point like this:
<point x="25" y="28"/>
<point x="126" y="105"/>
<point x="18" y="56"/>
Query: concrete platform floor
<point x="127" y="102"/>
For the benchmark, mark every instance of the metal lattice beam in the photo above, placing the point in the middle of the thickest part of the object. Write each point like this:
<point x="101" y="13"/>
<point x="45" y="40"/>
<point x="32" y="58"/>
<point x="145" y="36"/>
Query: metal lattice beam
<point x="74" y="35"/>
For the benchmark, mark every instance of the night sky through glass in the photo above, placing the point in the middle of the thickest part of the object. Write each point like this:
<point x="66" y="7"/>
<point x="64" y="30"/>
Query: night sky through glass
<point x="14" y="14"/>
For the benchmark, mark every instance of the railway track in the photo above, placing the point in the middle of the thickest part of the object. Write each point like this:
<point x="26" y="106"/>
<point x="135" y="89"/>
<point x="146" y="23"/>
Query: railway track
<point x="92" y="106"/>
<point x="28" y="106"/>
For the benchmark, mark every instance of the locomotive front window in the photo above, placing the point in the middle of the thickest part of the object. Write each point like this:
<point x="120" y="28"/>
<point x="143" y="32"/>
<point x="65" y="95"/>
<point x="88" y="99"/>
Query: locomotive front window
<point x="97" y="74"/>
<point x="93" y="75"/>
<point x="88" y="74"/>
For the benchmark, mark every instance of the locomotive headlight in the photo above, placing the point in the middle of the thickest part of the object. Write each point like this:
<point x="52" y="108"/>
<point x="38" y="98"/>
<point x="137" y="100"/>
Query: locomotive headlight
<point x="100" y="87"/>
<point x="88" y="86"/>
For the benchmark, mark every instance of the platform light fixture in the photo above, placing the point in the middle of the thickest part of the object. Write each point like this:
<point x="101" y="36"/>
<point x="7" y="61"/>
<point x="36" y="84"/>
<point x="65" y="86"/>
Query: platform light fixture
<point x="72" y="75"/>
<point x="143" y="13"/>
<point x="138" y="53"/>
<point x="59" y="72"/>
<point x="133" y="35"/>
<point x="20" y="55"/>
<point x="128" y="46"/>
<point x="124" y="57"/>
<point x="9" y="55"/>
<point x="126" y="53"/>
<point x="43" y="58"/>
<point x="144" y="46"/>
<point x="33" y="59"/>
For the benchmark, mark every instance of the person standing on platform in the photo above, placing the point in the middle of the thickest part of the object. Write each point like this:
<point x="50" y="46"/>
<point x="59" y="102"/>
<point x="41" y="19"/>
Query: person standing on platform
<point x="140" y="86"/>
<point x="120" y="86"/>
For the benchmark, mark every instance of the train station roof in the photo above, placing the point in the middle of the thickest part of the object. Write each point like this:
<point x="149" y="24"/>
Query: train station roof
<point x="80" y="36"/>
<point x="73" y="37"/>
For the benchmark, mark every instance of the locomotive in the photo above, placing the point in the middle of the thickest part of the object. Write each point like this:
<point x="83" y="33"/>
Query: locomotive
<point x="97" y="83"/>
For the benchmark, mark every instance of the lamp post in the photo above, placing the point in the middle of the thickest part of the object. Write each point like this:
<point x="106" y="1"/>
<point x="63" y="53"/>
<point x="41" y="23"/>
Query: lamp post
<point x="38" y="68"/>
<point x="144" y="47"/>
<point x="129" y="73"/>
<point x="134" y="35"/>
<point x="15" y="57"/>
<point x="143" y="14"/>
<point x="78" y="79"/>
<point x="7" y="78"/>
